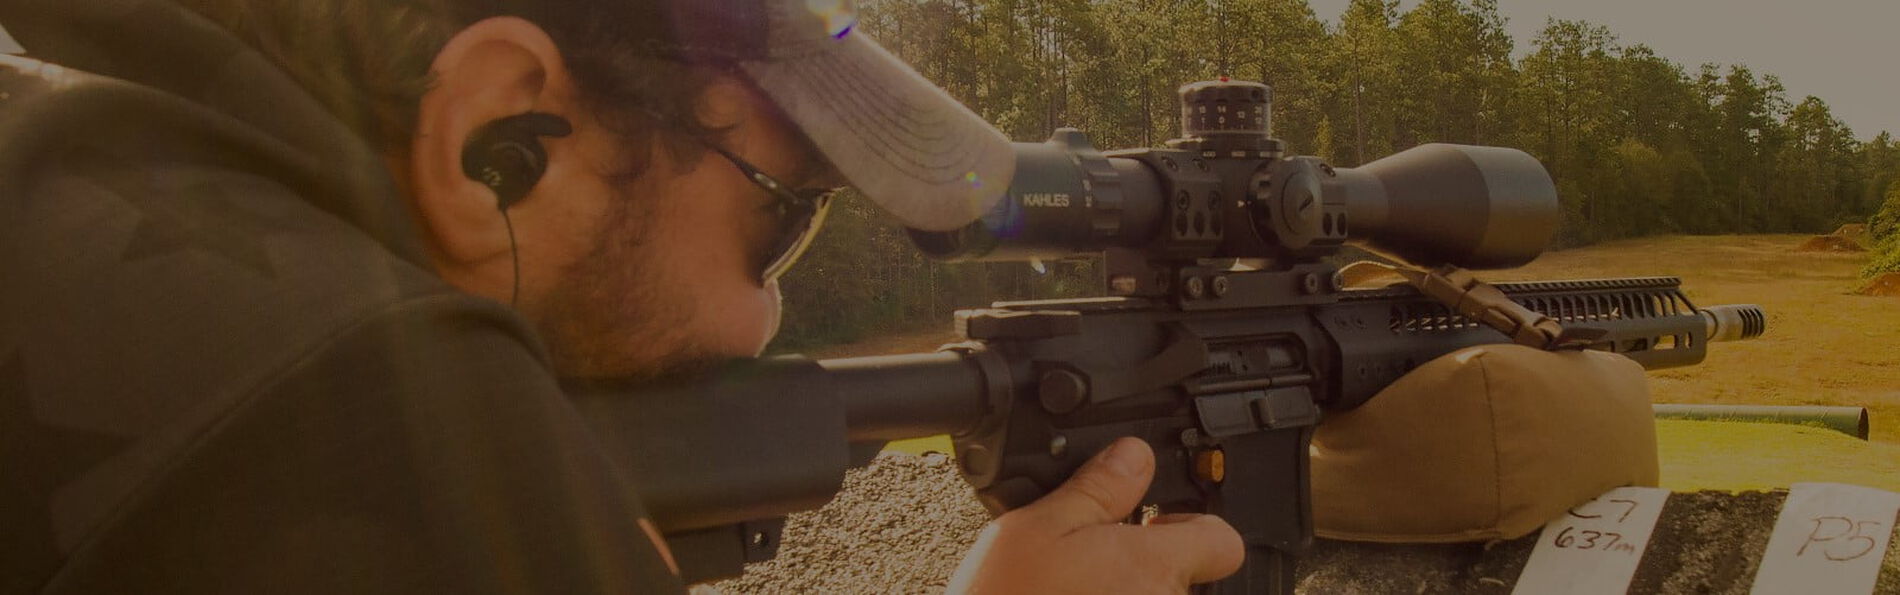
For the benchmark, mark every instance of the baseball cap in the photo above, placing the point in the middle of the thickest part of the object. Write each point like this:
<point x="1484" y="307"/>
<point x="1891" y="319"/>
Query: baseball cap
<point x="900" y="140"/>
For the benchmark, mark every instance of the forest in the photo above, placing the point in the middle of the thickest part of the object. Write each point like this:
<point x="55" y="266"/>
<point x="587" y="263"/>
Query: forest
<point x="1638" y="144"/>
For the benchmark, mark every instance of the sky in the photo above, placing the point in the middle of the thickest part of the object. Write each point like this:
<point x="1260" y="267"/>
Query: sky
<point x="1847" y="52"/>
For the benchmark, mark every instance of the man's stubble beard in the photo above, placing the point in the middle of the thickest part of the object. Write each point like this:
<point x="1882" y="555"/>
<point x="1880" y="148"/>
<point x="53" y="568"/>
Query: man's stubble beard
<point x="615" y="313"/>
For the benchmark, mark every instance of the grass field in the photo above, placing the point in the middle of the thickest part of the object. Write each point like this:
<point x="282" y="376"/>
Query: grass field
<point x="1824" y="346"/>
<point x="1707" y="455"/>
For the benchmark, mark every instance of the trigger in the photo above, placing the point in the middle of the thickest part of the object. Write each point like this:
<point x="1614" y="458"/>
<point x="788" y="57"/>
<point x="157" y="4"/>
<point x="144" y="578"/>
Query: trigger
<point x="1009" y="494"/>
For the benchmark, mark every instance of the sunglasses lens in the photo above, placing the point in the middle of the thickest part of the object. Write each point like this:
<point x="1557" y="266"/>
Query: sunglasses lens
<point x="800" y="228"/>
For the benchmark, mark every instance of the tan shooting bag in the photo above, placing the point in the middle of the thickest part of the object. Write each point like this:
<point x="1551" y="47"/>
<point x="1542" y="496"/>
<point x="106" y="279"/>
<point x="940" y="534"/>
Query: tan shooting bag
<point x="1485" y="443"/>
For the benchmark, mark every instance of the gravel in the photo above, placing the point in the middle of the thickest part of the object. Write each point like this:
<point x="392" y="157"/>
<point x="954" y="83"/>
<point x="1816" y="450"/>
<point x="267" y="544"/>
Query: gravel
<point x="902" y="525"/>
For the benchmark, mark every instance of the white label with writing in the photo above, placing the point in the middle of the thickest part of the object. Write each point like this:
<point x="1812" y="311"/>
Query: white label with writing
<point x="1829" y="540"/>
<point x="8" y="45"/>
<point x="1594" y="548"/>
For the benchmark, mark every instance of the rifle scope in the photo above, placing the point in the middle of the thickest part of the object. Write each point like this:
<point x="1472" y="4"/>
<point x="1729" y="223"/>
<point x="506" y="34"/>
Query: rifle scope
<point x="1226" y="191"/>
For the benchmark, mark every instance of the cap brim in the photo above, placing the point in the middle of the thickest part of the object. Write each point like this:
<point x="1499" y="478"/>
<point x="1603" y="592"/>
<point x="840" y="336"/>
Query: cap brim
<point x="900" y="140"/>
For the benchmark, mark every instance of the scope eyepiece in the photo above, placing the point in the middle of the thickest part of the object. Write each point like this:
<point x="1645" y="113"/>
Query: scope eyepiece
<point x="1066" y="200"/>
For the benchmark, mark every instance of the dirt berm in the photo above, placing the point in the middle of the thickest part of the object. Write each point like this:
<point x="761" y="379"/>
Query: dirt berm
<point x="1830" y="244"/>
<point x="902" y="524"/>
<point x="1885" y="285"/>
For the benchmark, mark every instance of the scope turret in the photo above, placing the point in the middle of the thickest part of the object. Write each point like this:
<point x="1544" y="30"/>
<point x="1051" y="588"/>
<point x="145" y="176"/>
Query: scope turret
<point x="1211" y="108"/>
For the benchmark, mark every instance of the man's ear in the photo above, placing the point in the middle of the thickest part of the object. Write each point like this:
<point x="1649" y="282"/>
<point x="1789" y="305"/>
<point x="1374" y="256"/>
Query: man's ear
<point x="491" y="70"/>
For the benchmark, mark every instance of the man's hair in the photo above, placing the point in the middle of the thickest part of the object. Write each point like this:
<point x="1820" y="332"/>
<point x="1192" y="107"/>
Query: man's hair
<point x="368" y="60"/>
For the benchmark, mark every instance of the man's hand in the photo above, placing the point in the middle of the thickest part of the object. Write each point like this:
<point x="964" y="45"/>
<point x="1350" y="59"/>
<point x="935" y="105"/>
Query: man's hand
<point x="1071" y="541"/>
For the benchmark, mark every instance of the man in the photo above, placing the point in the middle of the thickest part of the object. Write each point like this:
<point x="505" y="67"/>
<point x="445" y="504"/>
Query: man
<point x="289" y="283"/>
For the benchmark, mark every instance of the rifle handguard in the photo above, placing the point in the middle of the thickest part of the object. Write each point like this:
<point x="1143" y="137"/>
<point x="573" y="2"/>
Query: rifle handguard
<point x="1472" y="298"/>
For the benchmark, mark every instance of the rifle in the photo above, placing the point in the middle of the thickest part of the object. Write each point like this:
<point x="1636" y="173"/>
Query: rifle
<point x="1225" y="337"/>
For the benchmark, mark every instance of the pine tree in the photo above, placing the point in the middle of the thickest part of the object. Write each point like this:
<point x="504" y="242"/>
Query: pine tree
<point x="1367" y="100"/>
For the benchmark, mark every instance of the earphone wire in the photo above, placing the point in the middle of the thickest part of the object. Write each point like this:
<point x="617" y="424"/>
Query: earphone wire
<point x="514" y="252"/>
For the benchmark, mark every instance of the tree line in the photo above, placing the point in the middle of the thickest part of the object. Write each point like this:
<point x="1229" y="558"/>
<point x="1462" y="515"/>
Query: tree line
<point x="1884" y="229"/>
<point x="1637" y="143"/>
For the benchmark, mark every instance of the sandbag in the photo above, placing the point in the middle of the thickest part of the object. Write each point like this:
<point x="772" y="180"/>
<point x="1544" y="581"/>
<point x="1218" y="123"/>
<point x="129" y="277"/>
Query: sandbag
<point x="1485" y="443"/>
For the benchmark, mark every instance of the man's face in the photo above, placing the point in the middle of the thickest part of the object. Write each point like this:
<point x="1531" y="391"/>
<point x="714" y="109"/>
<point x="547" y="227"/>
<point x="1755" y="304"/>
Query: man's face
<point x="671" y="278"/>
<point x="623" y="275"/>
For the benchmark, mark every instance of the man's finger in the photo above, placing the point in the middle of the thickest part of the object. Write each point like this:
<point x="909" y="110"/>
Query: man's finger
<point x="1105" y="490"/>
<point x="1202" y="549"/>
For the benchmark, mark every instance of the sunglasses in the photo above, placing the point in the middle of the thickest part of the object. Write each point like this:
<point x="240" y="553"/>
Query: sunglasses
<point x="799" y="213"/>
